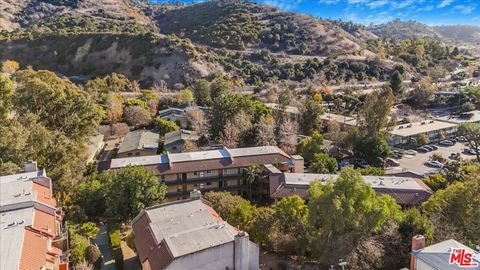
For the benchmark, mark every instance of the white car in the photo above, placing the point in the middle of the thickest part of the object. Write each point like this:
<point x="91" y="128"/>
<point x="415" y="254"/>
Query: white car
<point x="410" y="152"/>
<point x="434" y="163"/>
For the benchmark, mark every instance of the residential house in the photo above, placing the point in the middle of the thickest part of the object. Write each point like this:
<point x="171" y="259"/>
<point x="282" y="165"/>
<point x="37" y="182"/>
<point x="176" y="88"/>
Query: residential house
<point x="176" y="115"/>
<point x="405" y="190"/>
<point x="212" y="170"/>
<point x="139" y="143"/>
<point x="434" y="130"/>
<point x="32" y="234"/>
<point x="189" y="234"/>
<point x="94" y="147"/>
<point x="439" y="256"/>
<point x="175" y="140"/>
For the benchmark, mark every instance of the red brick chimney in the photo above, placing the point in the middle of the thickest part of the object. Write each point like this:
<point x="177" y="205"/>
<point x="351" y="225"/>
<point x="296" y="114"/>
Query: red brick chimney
<point x="418" y="243"/>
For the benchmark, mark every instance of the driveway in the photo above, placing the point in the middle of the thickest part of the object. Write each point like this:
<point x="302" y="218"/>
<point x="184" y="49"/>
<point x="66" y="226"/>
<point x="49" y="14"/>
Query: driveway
<point x="102" y="241"/>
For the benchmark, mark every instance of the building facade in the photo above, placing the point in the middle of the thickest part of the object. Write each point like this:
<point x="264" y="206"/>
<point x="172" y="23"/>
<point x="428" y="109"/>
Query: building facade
<point x="32" y="234"/>
<point x="189" y="234"/>
<point x="213" y="170"/>
<point x="434" y="130"/>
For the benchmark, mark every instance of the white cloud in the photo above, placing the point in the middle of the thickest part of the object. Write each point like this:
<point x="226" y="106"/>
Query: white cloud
<point x="377" y="4"/>
<point x="284" y="4"/>
<point x="329" y="2"/>
<point x="463" y="9"/>
<point x="444" y="3"/>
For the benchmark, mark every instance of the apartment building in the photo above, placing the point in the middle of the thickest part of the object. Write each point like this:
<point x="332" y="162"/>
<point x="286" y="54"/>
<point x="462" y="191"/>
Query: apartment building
<point x="434" y="130"/>
<point x="32" y="235"/>
<point x="212" y="170"/>
<point x="405" y="190"/>
<point x="189" y="234"/>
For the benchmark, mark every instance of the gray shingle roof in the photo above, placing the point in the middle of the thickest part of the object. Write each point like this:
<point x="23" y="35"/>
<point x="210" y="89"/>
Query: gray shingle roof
<point x="438" y="255"/>
<point x="182" y="134"/>
<point x="138" y="140"/>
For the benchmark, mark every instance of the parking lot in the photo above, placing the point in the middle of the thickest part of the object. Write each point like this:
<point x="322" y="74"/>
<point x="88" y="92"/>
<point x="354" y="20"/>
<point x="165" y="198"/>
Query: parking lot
<point x="416" y="163"/>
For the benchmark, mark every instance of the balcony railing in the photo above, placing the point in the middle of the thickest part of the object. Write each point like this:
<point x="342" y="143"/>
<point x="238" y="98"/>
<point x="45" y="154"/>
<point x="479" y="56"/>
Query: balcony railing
<point x="202" y="179"/>
<point x="203" y="190"/>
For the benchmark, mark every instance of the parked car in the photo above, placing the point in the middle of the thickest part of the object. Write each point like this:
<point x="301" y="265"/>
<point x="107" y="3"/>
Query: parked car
<point x="422" y="150"/>
<point x="433" y="146"/>
<point x="454" y="156"/>
<point x="446" y="143"/>
<point x="411" y="152"/>
<point x="434" y="163"/>
<point x="469" y="151"/>
<point x="392" y="162"/>
<point x="343" y="164"/>
<point x="428" y="147"/>
<point x="461" y="139"/>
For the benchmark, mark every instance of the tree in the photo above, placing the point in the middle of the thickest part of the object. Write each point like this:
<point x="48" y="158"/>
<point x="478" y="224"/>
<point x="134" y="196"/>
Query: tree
<point x="265" y="131"/>
<point x="89" y="230"/>
<point x="343" y="212"/>
<point x="373" y="115"/>
<point x="373" y="149"/>
<point x="291" y="214"/>
<point x="189" y="146"/>
<point x="42" y="92"/>
<point x="78" y="246"/>
<point x="263" y="218"/>
<point x="396" y="83"/>
<point x="136" y="116"/>
<point x="310" y="116"/>
<point x="201" y="91"/>
<point x="415" y="223"/>
<point x="223" y="202"/>
<point x="310" y="146"/>
<point x="8" y="168"/>
<point x="455" y="209"/>
<point x="242" y="215"/>
<point x="7" y="89"/>
<point x="93" y="256"/>
<point x="423" y="139"/>
<point x="130" y="190"/>
<point x="163" y="126"/>
<point x="90" y="196"/>
<point x="113" y="108"/>
<point x="471" y="131"/>
<point x="9" y="67"/>
<point x="120" y="129"/>
<point x="236" y="130"/>
<point x="185" y="96"/>
<point x="287" y="136"/>
<point x="197" y="120"/>
<point x="218" y="87"/>
<point x="323" y="163"/>
<point x="423" y="92"/>
<point x="250" y="175"/>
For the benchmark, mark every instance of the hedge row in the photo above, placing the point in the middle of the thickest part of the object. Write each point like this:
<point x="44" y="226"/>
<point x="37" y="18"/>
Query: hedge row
<point x="115" y="240"/>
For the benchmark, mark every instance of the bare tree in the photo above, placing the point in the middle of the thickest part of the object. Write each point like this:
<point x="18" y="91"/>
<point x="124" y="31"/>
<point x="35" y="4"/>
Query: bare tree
<point x="265" y="131"/>
<point x="197" y="120"/>
<point x="235" y="130"/>
<point x="136" y="116"/>
<point x="288" y="136"/>
<point x="189" y="146"/>
<point x="120" y="129"/>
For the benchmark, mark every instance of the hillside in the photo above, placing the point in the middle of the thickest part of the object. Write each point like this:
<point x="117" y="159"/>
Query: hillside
<point x="460" y="33"/>
<point x="253" y="43"/>
<point x="401" y="30"/>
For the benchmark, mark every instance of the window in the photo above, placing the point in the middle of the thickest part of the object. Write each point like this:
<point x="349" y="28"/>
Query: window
<point x="179" y="188"/>
<point x="162" y="178"/>
<point x="129" y="154"/>
<point x="194" y="173"/>
<point x="208" y="171"/>
<point x="209" y="183"/>
<point x="137" y="153"/>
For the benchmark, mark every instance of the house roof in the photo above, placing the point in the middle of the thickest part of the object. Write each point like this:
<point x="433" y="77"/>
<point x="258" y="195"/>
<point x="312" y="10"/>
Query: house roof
<point x="211" y="159"/>
<point x="180" y="135"/>
<point x="288" y="109"/>
<point x="176" y="229"/>
<point x="405" y="190"/>
<point x="95" y="143"/>
<point x="411" y="129"/>
<point x="438" y="255"/>
<point x="342" y="119"/>
<point x="139" y="140"/>
<point x="465" y="117"/>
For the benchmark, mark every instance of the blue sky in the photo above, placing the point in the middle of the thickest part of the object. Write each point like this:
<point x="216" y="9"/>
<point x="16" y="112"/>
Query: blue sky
<point x="432" y="12"/>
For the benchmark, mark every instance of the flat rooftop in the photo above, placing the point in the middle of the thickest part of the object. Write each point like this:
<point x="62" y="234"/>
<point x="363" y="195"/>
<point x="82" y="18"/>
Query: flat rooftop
<point x="346" y="120"/>
<point x="195" y="156"/>
<point x="377" y="182"/>
<point x="188" y="226"/>
<point x="411" y="129"/>
<point x="12" y="229"/>
<point x="466" y="117"/>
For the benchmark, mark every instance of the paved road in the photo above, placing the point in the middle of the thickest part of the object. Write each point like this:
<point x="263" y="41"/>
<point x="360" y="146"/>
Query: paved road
<point x="102" y="241"/>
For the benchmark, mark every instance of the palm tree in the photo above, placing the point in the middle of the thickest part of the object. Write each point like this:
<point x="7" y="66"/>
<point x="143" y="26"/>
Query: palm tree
<point x="250" y="175"/>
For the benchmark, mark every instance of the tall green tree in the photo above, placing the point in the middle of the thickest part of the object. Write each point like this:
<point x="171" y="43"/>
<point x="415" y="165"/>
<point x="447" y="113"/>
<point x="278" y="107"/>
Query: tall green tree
<point x="291" y="213"/>
<point x="6" y="95"/>
<point x="131" y="190"/>
<point x="323" y="163"/>
<point x="396" y="83"/>
<point x="373" y="115"/>
<point x="164" y="126"/>
<point x="219" y="86"/>
<point x="344" y="211"/>
<point x="310" y="116"/>
<point x="310" y="146"/>
<point x="201" y="91"/>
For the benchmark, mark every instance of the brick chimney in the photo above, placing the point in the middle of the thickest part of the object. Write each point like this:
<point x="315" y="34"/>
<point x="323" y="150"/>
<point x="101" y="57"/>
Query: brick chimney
<point x="418" y="243"/>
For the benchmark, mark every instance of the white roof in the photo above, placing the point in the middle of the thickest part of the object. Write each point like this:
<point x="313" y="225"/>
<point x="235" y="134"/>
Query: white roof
<point x="346" y="120"/>
<point x="289" y="109"/>
<point x="17" y="188"/>
<point x="12" y="236"/>
<point x="466" y="117"/>
<point x="188" y="226"/>
<point x="386" y="182"/>
<point x="416" y="128"/>
<point x="194" y="156"/>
